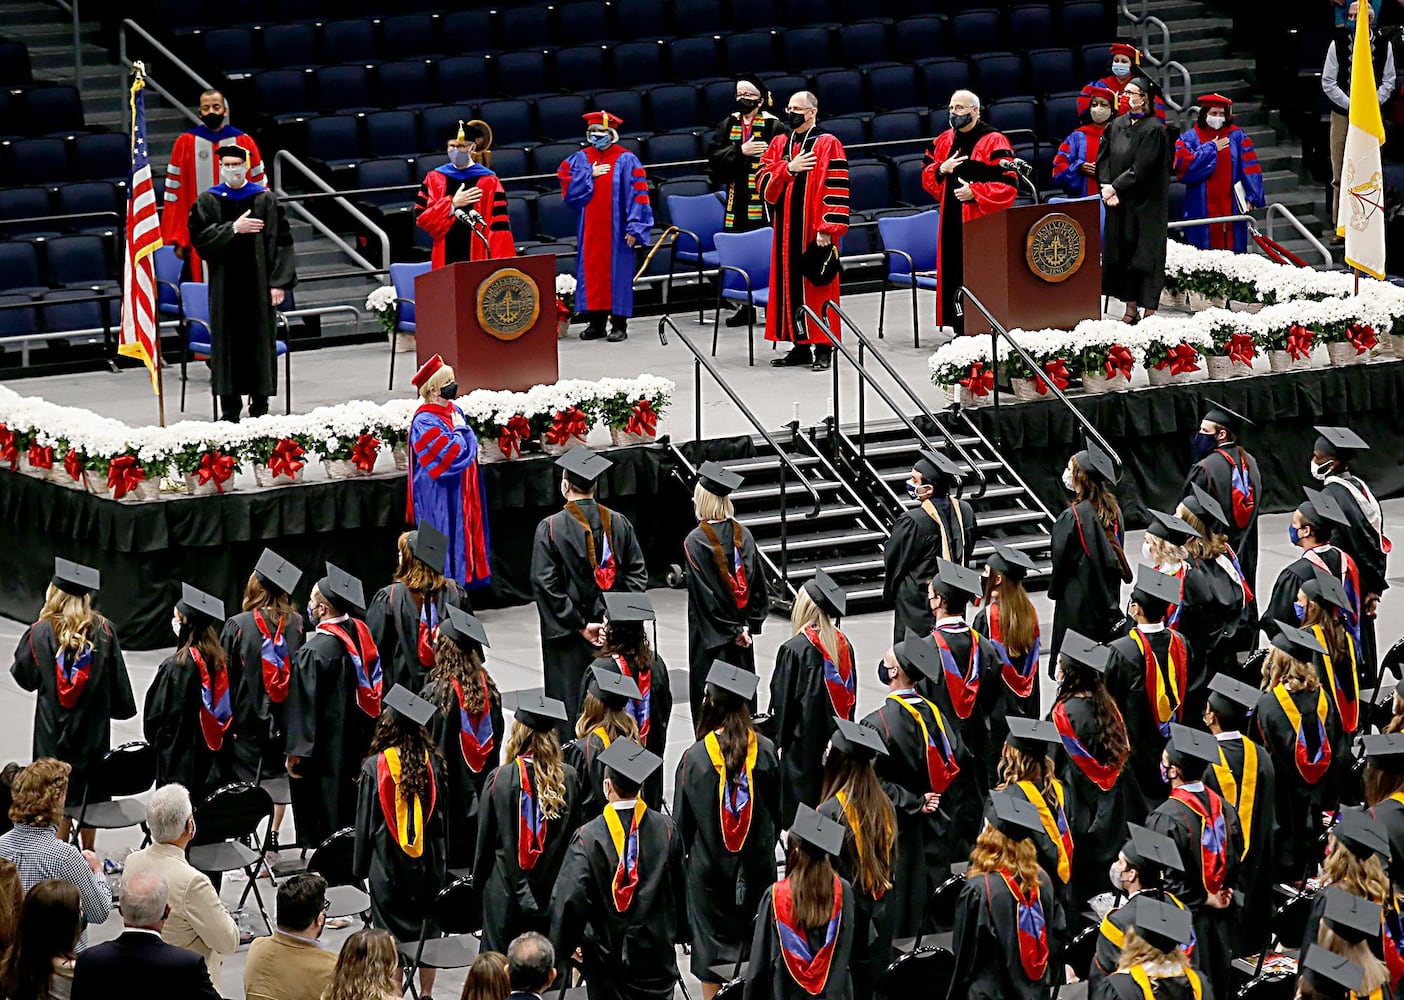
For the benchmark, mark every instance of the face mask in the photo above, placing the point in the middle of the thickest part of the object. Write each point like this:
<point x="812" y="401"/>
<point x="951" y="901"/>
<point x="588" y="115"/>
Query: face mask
<point x="311" y="612"/>
<point x="1319" y="472"/>
<point x="912" y="490"/>
<point x="959" y="122"/>
<point x="460" y="158"/>
<point x="796" y="119"/>
<point x="175" y="625"/>
<point x="1135" y="105"/>
<point x="1215" y="121"/>
<point x="212" y="122"/>
<point x="1201" y="445"/>
<point x="746" y="105"/>
<point x="1100" y="114"/>
<point x="1165" y="772"/>
<point x="233" y="176"/>
<point x="1300" y="610"/>
<point x="1068" y="481"/>
<point x="1146" y="553"/>
<point x="449" y="390"/>
<point x="1114" y="873"/>
<point x="1121" y="70"/>
<point x="600" y="140"/>
<point x="1294" y="535"/>
<point x="884" y="675"/>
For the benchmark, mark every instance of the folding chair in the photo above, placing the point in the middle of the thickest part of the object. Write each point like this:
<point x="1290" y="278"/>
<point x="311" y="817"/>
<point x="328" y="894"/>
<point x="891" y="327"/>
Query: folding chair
<point x="228" y="821"/>
<point x="130" y="769"/>
<point x="909" y="246"/>
<point x="699" y="218"/>
<point x="402" y="277"/>
<point x="743" y="266"/>
<point x="458" y="911"/>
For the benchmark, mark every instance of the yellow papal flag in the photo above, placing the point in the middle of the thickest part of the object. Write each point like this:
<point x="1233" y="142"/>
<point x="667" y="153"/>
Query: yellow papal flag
<point x="1360" y="217"/>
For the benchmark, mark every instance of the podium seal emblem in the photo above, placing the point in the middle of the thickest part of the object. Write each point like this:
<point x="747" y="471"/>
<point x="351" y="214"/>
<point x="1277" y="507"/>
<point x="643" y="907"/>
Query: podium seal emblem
<point x="509" y="303"/>
<point x="1055" y="247"/>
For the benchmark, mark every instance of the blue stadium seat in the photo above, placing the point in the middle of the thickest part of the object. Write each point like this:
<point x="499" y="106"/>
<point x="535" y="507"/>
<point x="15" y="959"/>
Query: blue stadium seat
<point x="756" y="14"/>
<point x="699" y="218"/>
<point x="342" y="89"/>
<point x="426" y="162"/>
<point x="783" y="86"/>
<point x="19" y="268"/>
<point x="840" y="92"/>
<point x="1031" y="26"/>
<point x="53" y="109"/>
<point x="468" y="31"/>
<point x="511" y="121"/>
<point x="14" y="63"/>
<point x="349" y="41"/>
<point x="693" y="58"/>
<point x="284" y="93"/>
<point x="526" y="72"/>
<point x="554" y="219"/>
<point x="559" y="117"/>
<point x="388" y="172"/>
<point x="1060" y="116"/>
<point x="671" y="107"/>
<point x="38" y="161"/>
<point x="289" y="45"/>
<point x="102" y="156"/>
<point x="752" y="51"/>
<point x="24" y="203"/>
<point x="582" y="68"/>
<point x="848" y="129"/>
<point x="524" y="27"/>
<point x="1096" y="60"/>
<point x="806" y="48"/>
<point x="719" y="100"/>
<point x="404" y="84"/>
<point x="896" y="125"/>
<point x="465" y="78"/>
<point x="62" y="316"/>
<point x="908" y="169"/>
<point x="547" y="159"/>
<point x="977" y="31"/>
<point x="626" y="104"/>
<point x="923" y="37"/>
<point x="1085" y="22"/>
<point x="584" y="21"/>
<point x="1015" y="113"/>
<point x="511" y="161"/>
<point x="1052" y="70"/>
<point x="998" y="74"/>
<point x="439" y="124"/>
<point x="869" y="185"/>
<point x="671" y="147"/>
<point x="894" y="85"/>
<point x="639" y="63"/>
<point x="334" y="139"/>
<point x="168" y="268"/>
<point x="408" y="35"/>
<point x="77" y="261"/>
<point x="864" y="42"/>
<point x="17" y="322"/>
<point x="943" y="77"/>
<point x="642" y="19"/>
<point x="228" y="50"/>
<point x="100" y="201"/>
<point x="697" y="16"/>
<point x="392" y="133"/>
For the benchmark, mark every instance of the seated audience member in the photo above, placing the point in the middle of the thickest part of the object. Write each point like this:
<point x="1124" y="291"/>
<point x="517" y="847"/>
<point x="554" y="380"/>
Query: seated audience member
<point x="488" y="978"/>
<point x="531" y="964"/>
<point x="292" y="964"/>
<point x="368" y="968"/>
<point x="40" y="964"/>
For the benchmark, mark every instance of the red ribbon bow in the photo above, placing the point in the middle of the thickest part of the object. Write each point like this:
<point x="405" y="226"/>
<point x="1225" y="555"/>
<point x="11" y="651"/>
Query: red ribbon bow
<point x="217" y="466"/>
<point x="363" y="455"/>
<point x="9" y="448"/>
<point x="286" y="459"/>
<point x="643" y="419"/>
<point x="567" y="424"/>
<point x="562" y="310"/>
<point x="1241" y="349"/>
<point x="1058" y="374"/>
<point x="980" y="382"/>
<point x="1181" y="358"/>
<point x="1119" y="361"/>
<point x="1299" y="341"/>
<point x="123" y="475"/>
<point x="41" y="457"/>
<point x="1362" y="336"/>
<point x="512" y="434"/>
<point x="73" y="465"/>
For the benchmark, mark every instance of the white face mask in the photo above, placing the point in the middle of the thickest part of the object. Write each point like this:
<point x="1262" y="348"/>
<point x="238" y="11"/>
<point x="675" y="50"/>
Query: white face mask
<point x="1320" y="472"/>
<point x="1068" y="481"/>
<point x="1100" y="114"/>
<point x="234" y="176"/>
<point x="1115" y="873"/>
<point x="175" y="625"/>
<point x="1215" y="121"/>
<point x="1146" y="551"/>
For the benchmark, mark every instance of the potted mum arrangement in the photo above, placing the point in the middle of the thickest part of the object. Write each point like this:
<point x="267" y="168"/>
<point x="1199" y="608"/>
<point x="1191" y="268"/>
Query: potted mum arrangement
<point x="964" y="370"/>
<point x="1104" y="356"/>
<point x="631" y="408"/>
<point x="1050" y="350"/>
<point x="1286" y="338"/>
<point x="345" y="438"/>
<point x="206" y="465"/>
<point x="276" y="448"/>
<point x="1231" y="345"/>
<point x="497" y="441"/>
<point x="1348" y="330"/>
<point x="1173" y="349"/>
<point x="381" y="303"/>
<point x="565" y="303"/>
<point x="562" y="414"/>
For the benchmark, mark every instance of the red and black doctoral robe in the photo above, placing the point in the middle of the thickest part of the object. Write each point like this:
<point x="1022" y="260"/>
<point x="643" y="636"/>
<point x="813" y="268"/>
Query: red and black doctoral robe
<point x="454" y="240"/>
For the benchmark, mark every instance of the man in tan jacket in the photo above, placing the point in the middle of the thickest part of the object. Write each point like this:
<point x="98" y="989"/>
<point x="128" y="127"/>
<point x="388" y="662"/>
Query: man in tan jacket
<point x="292" y="965"/>
<point x="198" y="921"/>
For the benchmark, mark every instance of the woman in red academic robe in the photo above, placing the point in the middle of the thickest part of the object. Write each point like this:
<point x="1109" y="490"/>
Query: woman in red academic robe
<point x="1075" y="166"/>
<point x="464" y="185"/>
<point x="1211" y="158"/>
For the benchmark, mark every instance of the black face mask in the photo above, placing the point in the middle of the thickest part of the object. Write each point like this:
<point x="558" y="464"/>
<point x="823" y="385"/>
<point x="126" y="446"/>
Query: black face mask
<point x="959" y="122"/>
<point x="746" y="105"/>
<point x="884" y="675"/>
<point x="795" y="118"/>
<point x="212" y="122"/>
<point x="449" y="391"/>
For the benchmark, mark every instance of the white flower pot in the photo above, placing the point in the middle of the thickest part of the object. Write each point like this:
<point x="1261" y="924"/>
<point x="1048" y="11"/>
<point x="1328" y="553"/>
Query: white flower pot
<point x="1162" y="376"/>
<point x="1025" y="390"/>
<point x="1281" y="361"/>
<point x="341" y="468"/>
<point x="561" y="449"/>
<point x="264" y="477"/>
<point x="563" y="328"/>
<point x="1174" y="301"/>
<point x="620" y="438"/>
<point x="1198" y="303"/>
<point x="1245" y="307"/>
<point x="38" y="472"/>
<point x="195" y="488"/>
<point x="404" y="342"/>
<point x="400" y="453"/>
<point x="490" y="451"/>
<point x="1396" y="344"/>
<point x="1095" y="384"/>
<point x="960" y="394"/>
<point x="1221" y="366"/>
<point x="1343" y="353"/>
<point x="146" y="490"/>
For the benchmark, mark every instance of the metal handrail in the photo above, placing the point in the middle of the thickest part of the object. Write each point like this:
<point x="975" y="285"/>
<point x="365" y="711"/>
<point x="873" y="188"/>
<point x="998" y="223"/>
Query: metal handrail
<point x="865" y="343"/>
<point x="1174" y="65"/>
<point x="175" y="60"/>
<point x="1275" y="209"/>
<point x="284" y="157"/>
<point x="997" y="330"/>
<point x="71" y="7"/>
<point x="1209" y="221"/>
<point x="1149" y="22"/>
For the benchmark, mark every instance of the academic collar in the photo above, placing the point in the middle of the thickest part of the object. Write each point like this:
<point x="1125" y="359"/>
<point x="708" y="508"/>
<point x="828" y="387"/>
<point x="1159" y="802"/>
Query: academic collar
<point x="333" y="621"/>
<point x="223" y="135"/>
<point x="901" y="691"/>
<point x="1147" y="628"/>
<point x="624" y="805"/>
<point x="956" y="620"/>
<point x="717" y="520"/>
<point x="469" y="173"/>
<point x="581" y="500"/>
<point x="243" y="193"/>
<point x="299" y="938"/>
<point x="1228" y="736"/>
<point x="1193" y="786"/>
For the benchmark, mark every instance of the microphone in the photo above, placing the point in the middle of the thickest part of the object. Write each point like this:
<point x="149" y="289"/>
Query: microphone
<point x="1013" y="163"/>
<point x="469" y="216"/>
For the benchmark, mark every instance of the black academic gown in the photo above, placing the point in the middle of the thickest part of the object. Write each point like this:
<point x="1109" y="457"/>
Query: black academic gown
<point x="987" y="959"/>
<point x="1107" y="954"/>
<point x="713" y="618"/>
<point x="583" y="754"/>
<point x="330" y="731"/>
<point x="1390" y="813"/>
<point x="462" y="790"/>
<point x="241" y="270"/>
<point x="258" y="719"/>
<point x="171" y="724"/>
<point x="1009" y="703"/>
<point x="1214" y="475"/>
<point x="393" y="619"/>
<point x="516" y="900"/>
<point x="724" y="888"/>
<point x="402" y="888"/>
<point x="909" y="559"/>
<point x="1363" y="542"/>
<point x="652" y="718"/>
<point x="1126" y="683"/>
<point x="927" y="843"/>
<point x="1299" y="803"/>
<point x="1259" y="826"/>
<point x="769" y="978"/>
<point x="1213" y="928"/>
<point x="81" y="735"/>
<point x="626" y="955"/>
<point x="1085" y="582"/>
<point x="802" y="713"/>
<point x="1122" y="987"/>
<point x="1097" y="818"/>
<point x="734" y="172"/>
<point x="1134" y="158"/>
<point x="1218" y="623"/>
<point x="979" y="725"/>
<point x="1284" y="591"/>
<point x="568" y="596"/>
<point x="872" y="918"/>
<point x="1047" y="850"/>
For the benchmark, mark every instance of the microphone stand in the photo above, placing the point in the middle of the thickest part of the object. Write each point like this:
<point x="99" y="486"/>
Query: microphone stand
<point x="477" y="229"/>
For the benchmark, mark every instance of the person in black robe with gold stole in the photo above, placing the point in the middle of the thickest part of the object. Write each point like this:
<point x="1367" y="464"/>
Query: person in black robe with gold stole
<point x="1225" y="470"/>
<point x="1008" y="924"/>
<point x="526" y="820"/>
<point x="1139" y="874"/>
<point x="726" y="802"/>
<point x="1088" y="563"/>
<point x="604" y="719"/>
<point x="1156" y="965"/>
<point x="815" y="682"/>
<point x="1384" y="793"/>
<point x="80" y="678"/>
<point x="1133" y="172"/>
<point x="333" y="704"/>
<point x="1209" y="839"/>
<point x="628" y="651"/>
<point x="727" y="595"/>
<point x="404" y="822"/>
<point x="1026" y="770"/>
<point x="404" y="617"/>
<point x="578" y="554"/>
<point x="928" y="774"/>
<point x="1315" y="524"/>
<point x="940" y="526"/>
<point x="1245" y="779"/>
<point x="1357" y="857"/>
<point x="619" y="897"/>
<point x="242" y="234"/>
<point x="806" y="927"/>
<point x="467" y="725"/>
<point x="854" y="798"/>
<point x="1147" y="676"/>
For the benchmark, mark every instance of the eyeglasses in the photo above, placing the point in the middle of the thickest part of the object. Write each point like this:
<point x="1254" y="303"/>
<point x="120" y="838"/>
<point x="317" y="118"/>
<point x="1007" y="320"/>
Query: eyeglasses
<point x="326" y="905"/>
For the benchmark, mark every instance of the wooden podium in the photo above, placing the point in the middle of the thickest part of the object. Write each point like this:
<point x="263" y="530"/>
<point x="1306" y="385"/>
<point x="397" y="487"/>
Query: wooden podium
<point x="493" y="321"/>
<point x="1035" y="266"/>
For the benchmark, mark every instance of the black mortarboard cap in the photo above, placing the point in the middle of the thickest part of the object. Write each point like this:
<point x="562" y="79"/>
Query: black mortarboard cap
<point x="825" y="592"/>
<point x="1175" y="530"/>
<point x="1163" y="926"/>
<point x="630" y="760"/>
<point x="1031" y="735"/>
<point x="1225" y="690"/>
<point x="1320" y="504"/>
<point x="755" y="80"/>
<point x="918" y="657"/>
<point x="1352" y="917"/>
<point x="1386" y="751"/>
<point x="75" y="578"/>
<point x="733" y="680"/>
<point x="612" y="687"/>
<point x="1324" y="588"/>
<point x="718" y="479"/>
<point x="1189" y="747"/>
<point x="1146" y="847"/>
<point x="1154" y="585"/>
<point x="538" y="712"/>
<point x="1013" y="816"/>
<point x="1362" y="835"/>
<point x="936" y="468"/>
<point x="277" y="572"/>
<point x="1295" y="642"/>
<point x="410" y="705"/>
<point x="1329" y="973"/>
<point x="954" y="580"/>
<point x="232" y="149"/>
<point x="1338" y="441"/>
<point x="342" y="589"/>
<point x="464" y="630"/>
<point x="1082" y="650"/>
<point x="817" y="831"/>
<point x="1218" y="413"/>
<point x="858" y="742"/>
<point x="198" y="604"/>
<point x="1203" y="506"/>
<point x="1013" y="563"/>
<point x="430" y="546"/>
<point x="625" y="607"/>
<point x="1094" y="460"/>
<point x="820" y="264"/>
<point x="583" y="466"/>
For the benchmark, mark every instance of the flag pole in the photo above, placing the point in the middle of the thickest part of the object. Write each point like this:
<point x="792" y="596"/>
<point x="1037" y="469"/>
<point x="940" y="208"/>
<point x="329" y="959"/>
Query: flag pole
<point x="139" y="68"/>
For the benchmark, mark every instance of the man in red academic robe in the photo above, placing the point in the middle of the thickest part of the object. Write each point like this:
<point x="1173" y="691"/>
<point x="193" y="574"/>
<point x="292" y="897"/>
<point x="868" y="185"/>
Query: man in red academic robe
<point x="462" y="203"/>
<point x="194" y="169"/>
<point x="804" y="179"/>
<point x="963" y="174"/>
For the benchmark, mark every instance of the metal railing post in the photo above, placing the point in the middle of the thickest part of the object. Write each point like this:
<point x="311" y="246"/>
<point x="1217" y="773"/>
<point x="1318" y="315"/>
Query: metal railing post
<point x="284" y="157"/>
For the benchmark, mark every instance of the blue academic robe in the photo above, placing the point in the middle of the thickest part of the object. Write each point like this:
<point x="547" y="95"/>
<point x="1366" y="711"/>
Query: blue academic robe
<point x="1209" y="181"/>
<point x="446" y="491"/>
<point x="604" y="270"/>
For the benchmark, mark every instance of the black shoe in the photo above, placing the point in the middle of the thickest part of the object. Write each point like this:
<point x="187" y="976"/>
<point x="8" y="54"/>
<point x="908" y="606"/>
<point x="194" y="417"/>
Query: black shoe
<point x="823" y="357"/>
<point x="616" y="334"/>
<point x="593" y="333"/>
<point x="744" y="316"/>
<point x="798" y="355"/>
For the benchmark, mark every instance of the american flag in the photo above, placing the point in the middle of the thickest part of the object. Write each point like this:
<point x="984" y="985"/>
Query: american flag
<point x="140" y="337"/>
